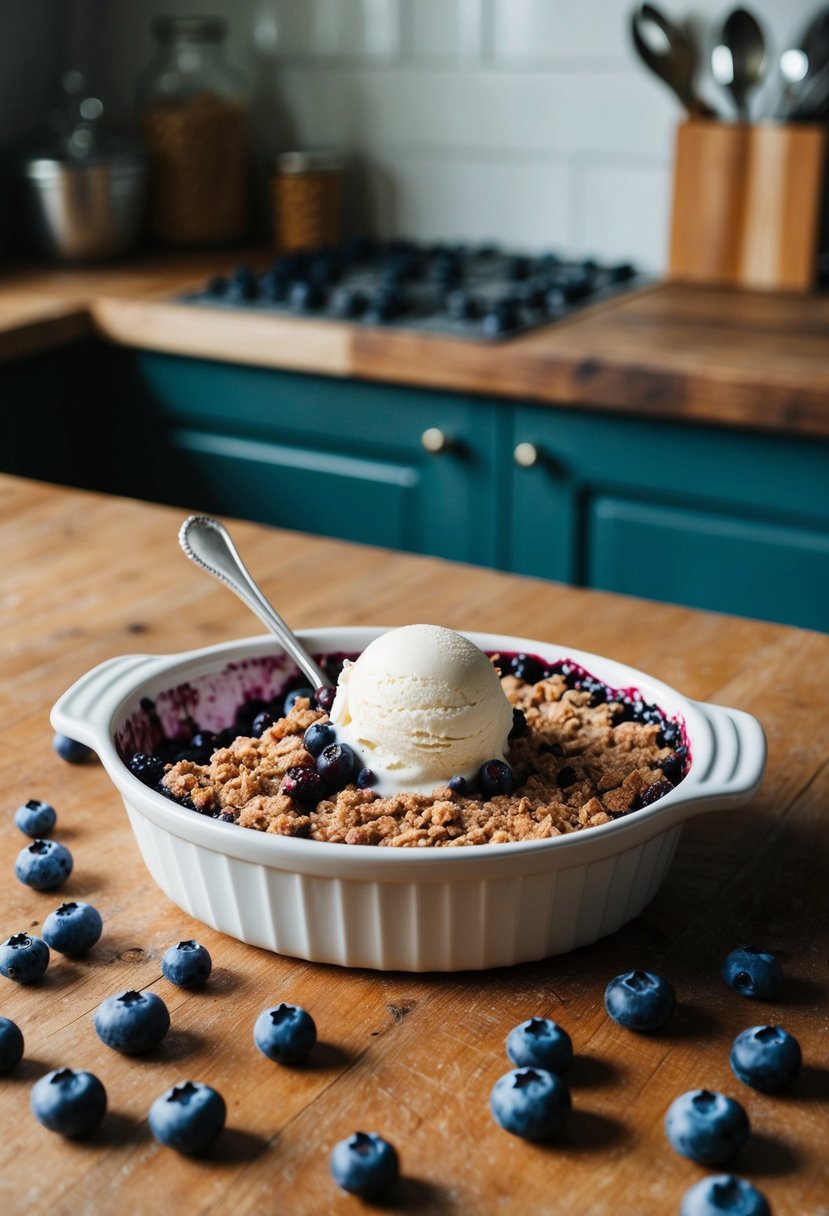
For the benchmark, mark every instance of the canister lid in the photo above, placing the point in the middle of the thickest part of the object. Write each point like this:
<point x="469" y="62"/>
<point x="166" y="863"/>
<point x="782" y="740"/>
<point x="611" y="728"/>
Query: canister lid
<point x="310" y="160"/>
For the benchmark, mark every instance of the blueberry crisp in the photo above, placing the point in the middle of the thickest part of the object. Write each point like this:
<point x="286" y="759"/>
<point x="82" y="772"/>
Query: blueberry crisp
<point x="580" y="754"/>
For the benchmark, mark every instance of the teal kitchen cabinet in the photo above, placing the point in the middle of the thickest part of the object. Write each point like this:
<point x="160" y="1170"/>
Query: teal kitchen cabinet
<point x="737" y="521"/>
<point x="395" y="467"/>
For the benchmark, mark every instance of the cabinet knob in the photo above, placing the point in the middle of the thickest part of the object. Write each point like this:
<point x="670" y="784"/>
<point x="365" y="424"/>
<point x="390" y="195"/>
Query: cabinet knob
<point x="526" y="455"/>
<point x="434" y="440"/>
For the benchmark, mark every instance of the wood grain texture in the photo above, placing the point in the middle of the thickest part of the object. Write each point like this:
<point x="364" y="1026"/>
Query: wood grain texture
<point x="412" y="1056"/>
<point x="722" y="356"/>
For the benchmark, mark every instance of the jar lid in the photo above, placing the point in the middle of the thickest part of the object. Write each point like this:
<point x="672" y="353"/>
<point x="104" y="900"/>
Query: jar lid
<point x="310" y="160"/>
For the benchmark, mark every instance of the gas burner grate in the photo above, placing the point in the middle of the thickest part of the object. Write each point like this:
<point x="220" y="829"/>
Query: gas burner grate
<point x="482" y="292"/>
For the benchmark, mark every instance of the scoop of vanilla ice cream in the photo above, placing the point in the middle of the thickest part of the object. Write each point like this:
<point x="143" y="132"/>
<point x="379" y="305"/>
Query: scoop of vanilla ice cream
<point x="420" y="705"/>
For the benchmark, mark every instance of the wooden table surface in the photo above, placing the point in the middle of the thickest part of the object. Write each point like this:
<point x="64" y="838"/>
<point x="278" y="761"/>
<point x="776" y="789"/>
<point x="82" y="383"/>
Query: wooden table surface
<point x="674" y="351"/>
<point x="411" y="1056"/>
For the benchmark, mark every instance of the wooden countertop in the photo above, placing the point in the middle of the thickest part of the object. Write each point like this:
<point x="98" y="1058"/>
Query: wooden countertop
<point x="727" y="357"/>
<point x="411" y="1056"/>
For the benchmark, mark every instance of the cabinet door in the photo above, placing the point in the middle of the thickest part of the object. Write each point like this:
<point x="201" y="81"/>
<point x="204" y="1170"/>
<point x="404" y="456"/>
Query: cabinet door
<point x="732" y="521"/>
<point x="341" y="458"/>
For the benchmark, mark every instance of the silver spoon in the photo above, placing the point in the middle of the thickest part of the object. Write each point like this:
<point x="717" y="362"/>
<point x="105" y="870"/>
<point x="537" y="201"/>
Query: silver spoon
<point x="207" y="543"/>
<point x="739" y="61"/>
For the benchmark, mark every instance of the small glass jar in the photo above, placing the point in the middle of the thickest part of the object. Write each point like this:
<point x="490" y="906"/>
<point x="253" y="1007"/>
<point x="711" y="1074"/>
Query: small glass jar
<point x="193" y="117"/>
<point x="307" y="198"/>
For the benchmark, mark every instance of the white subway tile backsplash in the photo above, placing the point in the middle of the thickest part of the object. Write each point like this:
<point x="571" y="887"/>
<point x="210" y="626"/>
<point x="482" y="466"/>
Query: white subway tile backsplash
<point x="441" y="30"/>
<point x="525" y="206"/>
<point x="532" y="31"/>
<point x="622" y="212"/>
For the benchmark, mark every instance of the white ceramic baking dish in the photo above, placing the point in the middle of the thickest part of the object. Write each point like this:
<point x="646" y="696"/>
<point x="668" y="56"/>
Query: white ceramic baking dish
<point x="421" y="909"/>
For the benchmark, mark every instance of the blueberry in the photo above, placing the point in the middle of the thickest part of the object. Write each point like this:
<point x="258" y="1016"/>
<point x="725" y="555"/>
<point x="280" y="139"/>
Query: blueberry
<point x="11" y="1045"/>
<point x="147" y="768"/>
<point x="525" y="667"/>
<point x="530" y="1102"/>
<point x="365" y="779"/>
<point x="285" y="1033"/>
<point x="72" y="928"/>
<point x="324" y="697"/>
<point x="495" y="777"/>
<point x="722" y="1195"/>
<point x="672" y="767"/>
<point x="540" y="1043"/>
<point x="35" y="818"/>
<point x="767" y="1058"/>
<point x="294" y="695"/>
<point x="132" y="1022"/>
<point x="188" y="1117"/>
<point x="261" y="722"/>
<point x="44" y="864"/>
<point x="204" y="744"/>
<point x="706" y="1126"/>
<point x="188" y="964"/>
<point x="336" y="764"/>
<point x="459" y="784"/>
<point x="640" y="1000"/>
<point x="364" y="1164"/>
<point x="71" y="750"/>
<point x="519" y="724"/>
<point x="67" y="1102"/>
<point x="303" y="785"/>
<point x="752" y="972"/>
<point x="23" y="958"/>
<point x="318" y="736"/>
<point x="653" y="792"/>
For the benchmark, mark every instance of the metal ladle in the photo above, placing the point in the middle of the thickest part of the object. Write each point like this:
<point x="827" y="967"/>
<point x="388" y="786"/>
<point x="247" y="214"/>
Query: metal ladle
<point x="739" y="61"/>
<point x="207" y="543"/>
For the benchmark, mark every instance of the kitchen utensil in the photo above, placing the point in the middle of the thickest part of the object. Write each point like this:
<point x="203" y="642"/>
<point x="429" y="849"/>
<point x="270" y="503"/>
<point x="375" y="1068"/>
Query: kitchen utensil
<point x="739" y="60"/>
<point x="208" y="544"/>
<point x="401" y="909"/>
<point x="670" y="52"/>
<point x="799" y="67"/>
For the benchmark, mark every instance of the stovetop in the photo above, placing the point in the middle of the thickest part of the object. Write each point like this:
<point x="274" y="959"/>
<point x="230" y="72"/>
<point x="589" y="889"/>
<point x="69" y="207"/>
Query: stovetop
<point x="477" y="292"/>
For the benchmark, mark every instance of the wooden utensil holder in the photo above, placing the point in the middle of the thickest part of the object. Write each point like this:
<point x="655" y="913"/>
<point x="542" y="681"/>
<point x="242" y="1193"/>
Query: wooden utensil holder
<point x="747" y="204"/>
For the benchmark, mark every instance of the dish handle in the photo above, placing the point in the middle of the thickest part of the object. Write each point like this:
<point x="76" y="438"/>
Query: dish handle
<point x="737" y="760"/>
<point x="85" y="710"/>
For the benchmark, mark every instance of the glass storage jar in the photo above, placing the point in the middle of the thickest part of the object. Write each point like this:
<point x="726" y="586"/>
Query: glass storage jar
<point x="193" y="117"/>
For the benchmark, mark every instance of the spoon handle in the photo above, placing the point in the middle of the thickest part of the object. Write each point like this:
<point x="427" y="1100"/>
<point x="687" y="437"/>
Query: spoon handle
<point x="207" y="543"/>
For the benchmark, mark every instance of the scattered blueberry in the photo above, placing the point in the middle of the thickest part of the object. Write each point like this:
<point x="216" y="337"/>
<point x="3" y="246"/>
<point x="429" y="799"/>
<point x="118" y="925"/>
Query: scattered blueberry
<point x="324" y="697"/>
<point x="495" y="777"/>
<point x="767" y="1058"/>
<point x="285" y="1033"/>
<point x="71" y="750"/>
<point x="303" y="785"/>
<point x="188" y="1117"/>
<point x="204" y="744"/>
<point x="67" y="1102"/>
<point x="72" y="928"/>
<point x="188" y="964"/>
<point x="11" y="1045"/>
<point x="147" y="768"/>
<point x="365" y="779"/>
<point x="530" y="1102"/>
<point x="653" y="792"/>
<point x="459" y="784"/>
<point x="364" y="1164"/>
<point x="752" y="972"/>
<point x="35" y="818"/>
<point x="640" y="1000"/>
<point x="132" y="1022"/>
<point x="527" y="668"/>
<point x="708" y="1127"/>
<point x="44" y="864"/>
<point x="294" y="695"/>
<point x="336" y="764"/>
<point x="23" y="958"/>
<point x="318" y="736"/>
<point x="261" y="722"/>
<point x="540" y="1043"/>
<point x="724" y="1195"/>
